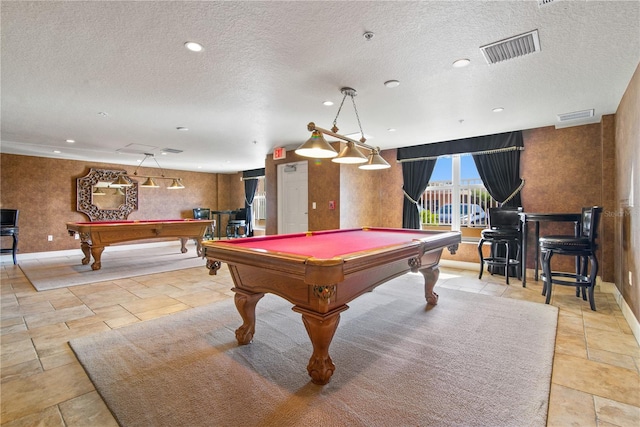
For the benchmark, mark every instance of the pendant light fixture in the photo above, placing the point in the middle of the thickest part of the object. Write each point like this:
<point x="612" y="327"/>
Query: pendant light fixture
<point x="318" y="147"/>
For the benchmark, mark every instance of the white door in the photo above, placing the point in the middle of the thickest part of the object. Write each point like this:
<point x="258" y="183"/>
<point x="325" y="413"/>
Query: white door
<point x="293" y="197"/>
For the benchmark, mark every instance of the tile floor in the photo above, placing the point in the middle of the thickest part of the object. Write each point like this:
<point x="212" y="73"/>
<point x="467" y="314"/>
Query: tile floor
<point x="595" y="380"/>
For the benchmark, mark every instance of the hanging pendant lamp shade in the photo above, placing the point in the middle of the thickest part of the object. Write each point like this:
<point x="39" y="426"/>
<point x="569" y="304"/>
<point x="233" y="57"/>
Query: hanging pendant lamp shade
<point x="316" y="147"/>
<point x="376" y="161"/>
<point x="176" y="184"/>
<point x="350" y="155"/>
<point x="149" y="182"/>
<point x="121" y="182"/>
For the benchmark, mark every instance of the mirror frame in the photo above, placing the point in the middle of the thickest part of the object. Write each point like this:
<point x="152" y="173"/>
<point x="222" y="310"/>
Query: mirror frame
<point x="84" y="186"/>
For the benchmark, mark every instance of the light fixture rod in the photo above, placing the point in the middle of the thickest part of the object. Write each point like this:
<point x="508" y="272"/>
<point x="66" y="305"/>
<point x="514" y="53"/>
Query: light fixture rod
<point x="312" y="126"/>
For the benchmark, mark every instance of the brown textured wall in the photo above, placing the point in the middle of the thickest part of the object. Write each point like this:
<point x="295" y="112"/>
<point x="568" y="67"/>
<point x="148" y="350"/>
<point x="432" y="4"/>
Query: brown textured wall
<point x="626" y="214"/>
<point x="44" y="190"/>
<point x="370" y="198"/>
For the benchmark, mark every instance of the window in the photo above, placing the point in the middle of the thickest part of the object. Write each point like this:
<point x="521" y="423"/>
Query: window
<point x="455" y="196"/>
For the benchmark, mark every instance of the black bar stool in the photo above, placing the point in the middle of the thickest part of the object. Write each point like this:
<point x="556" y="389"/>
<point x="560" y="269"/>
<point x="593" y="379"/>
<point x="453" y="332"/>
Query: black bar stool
<point x="504" y="230"/>
<point x="583" y="247"/>
<point x="9" y="227"/>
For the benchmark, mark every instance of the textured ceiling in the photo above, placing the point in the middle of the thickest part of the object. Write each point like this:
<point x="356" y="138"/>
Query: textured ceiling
<point x="267" y="67"/>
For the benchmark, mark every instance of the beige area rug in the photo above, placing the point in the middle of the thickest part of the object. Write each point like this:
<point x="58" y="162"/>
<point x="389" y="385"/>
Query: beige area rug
<point x="60" y="272"/>
<point x="473" y="360"/>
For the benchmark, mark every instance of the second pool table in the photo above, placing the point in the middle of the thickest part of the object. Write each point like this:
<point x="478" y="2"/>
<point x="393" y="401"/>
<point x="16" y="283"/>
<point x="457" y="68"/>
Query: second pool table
<point x="320" y="272"/>
<point x="96" y="235"/>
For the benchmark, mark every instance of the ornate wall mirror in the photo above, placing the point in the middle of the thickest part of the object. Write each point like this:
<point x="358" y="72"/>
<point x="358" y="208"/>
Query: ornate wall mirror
<point x="100" y="201"/>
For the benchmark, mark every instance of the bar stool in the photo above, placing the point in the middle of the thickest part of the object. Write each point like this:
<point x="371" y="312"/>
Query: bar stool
<point x="504" y="230"/>
<point x="583" y="248"/>
<point x="9" y="227"/>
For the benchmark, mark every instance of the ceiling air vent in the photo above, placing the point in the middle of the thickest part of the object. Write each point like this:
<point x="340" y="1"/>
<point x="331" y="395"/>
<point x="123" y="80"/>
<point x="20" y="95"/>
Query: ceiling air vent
<point x="512" y="47"/>
<point x="576" y="115"/>
<point x="171" y="150"/>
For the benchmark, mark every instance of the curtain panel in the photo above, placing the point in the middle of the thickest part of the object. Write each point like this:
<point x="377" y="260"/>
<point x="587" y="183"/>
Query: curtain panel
<point x="416" y="176"/>
<point x="250" y="179"/>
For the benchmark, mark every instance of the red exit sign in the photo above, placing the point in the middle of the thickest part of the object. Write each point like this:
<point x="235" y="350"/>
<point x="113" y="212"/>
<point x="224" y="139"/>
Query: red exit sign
<point x="279" y="153"/>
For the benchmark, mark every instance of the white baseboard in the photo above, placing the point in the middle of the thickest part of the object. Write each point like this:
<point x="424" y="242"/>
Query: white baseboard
<point x="73" y="252"/>
<point x="624" y="307"/>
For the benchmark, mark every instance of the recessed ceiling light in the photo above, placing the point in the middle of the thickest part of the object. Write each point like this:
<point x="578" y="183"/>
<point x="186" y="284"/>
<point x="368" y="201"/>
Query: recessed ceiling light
<point x="461" y="63"/>
<point x="71" y="141"/>
<point x="392" y="83"/>
<point x="328" y="103"/>
<point x="57" y="151"/>
<point x="498" y="110"/>
<point x="182" y="128"/>
<point x="194" y="47"/>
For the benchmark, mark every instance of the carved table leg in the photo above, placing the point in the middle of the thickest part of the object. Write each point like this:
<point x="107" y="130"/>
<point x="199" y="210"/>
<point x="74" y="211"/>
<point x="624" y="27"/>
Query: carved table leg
<point x="183" y="243"/>
<point x="321" y="328"/>
<point x="430" y="278"/>
<point x="86" y="250"/>
<point x="96" y="252"/>
<point x="246" y="305"/>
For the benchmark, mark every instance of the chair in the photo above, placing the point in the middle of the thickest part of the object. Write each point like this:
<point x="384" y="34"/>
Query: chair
<point x="583" y="247"/>
<point x="504" y="229"/>
<point x="237" y="226"/>
<point x="9" y="227"/>
<point x="205" y="213"/>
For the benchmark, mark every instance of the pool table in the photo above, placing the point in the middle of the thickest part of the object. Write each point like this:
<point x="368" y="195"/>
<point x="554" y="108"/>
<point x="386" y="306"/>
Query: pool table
<point x="320" y="272"/>
<point x="96" y="235"/>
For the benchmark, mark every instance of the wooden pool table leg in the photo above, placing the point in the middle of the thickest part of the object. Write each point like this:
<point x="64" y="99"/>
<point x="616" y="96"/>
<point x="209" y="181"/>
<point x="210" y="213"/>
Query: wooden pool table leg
<point x="96" y="252"/>
<point x="431" y="275"/>
<point x="320" y="328"/>
<point x="86" y="250"/>
<point x="183" y="243"/>
<point x="246" y="305"/>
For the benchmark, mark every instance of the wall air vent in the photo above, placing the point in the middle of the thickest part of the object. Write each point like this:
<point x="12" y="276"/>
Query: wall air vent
<point x="512" y="47"/>
<point x="576" y="115"/>
<point x="171" y="150"/>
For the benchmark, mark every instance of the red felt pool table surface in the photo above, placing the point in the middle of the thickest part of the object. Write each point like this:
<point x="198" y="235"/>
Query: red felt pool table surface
<point x="320" y="272"/>
<point x="329" y="244"/>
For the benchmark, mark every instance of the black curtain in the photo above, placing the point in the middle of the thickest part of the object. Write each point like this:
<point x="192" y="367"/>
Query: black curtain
<point x="416" y="177"/>
<point x="250" y="186"/>
<point x="500" y="172"/>
<point x="250" y="178"/>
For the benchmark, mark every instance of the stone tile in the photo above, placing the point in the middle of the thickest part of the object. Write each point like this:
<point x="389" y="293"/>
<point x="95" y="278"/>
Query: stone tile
<point x="611" y="358"/>
<point x="109" y="297"/>
<point x="570" y="408"/>
<point x="20" y="370"/>
<point x="40" y="391"/>
<point x="87" y="410"/>
<point x="147" y="304"/>
<point x="50" y="417"/>
<point x="614" y="341"/>
<point x="201" y="298"/>
<point x="571" y="344"/>
<point x="17" y="352"/>
<point x="616" y="413"/>
<point x="162" y="311"/>
<point x="597" y="378"/>
<point x="57" y="316"/>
